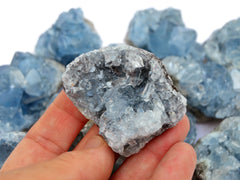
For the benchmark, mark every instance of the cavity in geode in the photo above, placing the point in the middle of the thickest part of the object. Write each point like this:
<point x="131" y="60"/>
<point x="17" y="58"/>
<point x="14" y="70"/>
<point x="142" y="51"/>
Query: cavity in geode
<point x="127" y="92"/>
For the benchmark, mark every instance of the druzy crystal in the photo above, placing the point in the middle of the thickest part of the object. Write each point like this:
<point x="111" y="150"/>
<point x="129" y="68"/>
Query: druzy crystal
<point x="127" y="93"/>
<point x="8" y="142"/>
<point x="161" y="32"/>
<point x="218" y="152"/>
<point x="70" y="36"/>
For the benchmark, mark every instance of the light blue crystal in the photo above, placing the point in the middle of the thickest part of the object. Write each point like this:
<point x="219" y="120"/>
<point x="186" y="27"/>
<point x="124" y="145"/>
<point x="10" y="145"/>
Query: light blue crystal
<point x="224" y="44"/>
<point x="208" y="86"/>
<point x="218" y="152"/>
<point x="161" y="32"/>
<point x="70" y="36"/>
<point x="42" y="81"/>
<point x="11" y="90"/>
<point x="223" y="47"/>
<point x="8" y="141"/>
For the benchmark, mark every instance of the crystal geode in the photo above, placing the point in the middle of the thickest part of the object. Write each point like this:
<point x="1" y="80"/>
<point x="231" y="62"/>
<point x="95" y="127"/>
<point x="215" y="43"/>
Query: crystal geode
<point x="127" y="92"/>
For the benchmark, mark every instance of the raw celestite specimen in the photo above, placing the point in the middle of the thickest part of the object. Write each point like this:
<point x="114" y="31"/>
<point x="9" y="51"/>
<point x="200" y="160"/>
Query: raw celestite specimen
<point x="127" y="93"/>
<point x="8" y="142"/>
<point x="162" y="33"/>
<point x="42" y="81"/>
<point x="219" y="152"/>
<point x="208" y="86"/>
<point x="11" y="91"/>
<point x="70" y="36"/>
<point x="223" y="48"/>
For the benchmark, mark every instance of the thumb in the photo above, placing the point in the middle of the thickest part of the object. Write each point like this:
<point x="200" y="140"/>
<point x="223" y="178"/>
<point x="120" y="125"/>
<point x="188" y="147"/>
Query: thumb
<point x="93" y="161"/>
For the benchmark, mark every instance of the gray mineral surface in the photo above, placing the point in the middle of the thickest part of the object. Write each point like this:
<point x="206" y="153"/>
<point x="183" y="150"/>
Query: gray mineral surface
<point x="127" y="92"/>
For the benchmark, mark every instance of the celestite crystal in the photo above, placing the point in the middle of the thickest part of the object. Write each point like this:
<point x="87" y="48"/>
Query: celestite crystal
<point x="161" y="32"/>
<point x="8" y="142"/>
<point x="11" y="92"/>
<point x="219" y="152"/>
<point x="42" y="81"/>
<point x="127" y="93"/>
<point x="70" y="36"/>
<point x="208" y="86"/>
<point x="223" y="48"/>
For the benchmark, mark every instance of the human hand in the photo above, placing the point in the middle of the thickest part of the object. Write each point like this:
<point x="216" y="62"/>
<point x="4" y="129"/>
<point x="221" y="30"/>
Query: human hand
<point x="43" y="153"/>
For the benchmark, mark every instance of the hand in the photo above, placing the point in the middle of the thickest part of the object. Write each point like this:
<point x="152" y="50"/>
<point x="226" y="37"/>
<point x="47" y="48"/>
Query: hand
<point x="43" y="153"/>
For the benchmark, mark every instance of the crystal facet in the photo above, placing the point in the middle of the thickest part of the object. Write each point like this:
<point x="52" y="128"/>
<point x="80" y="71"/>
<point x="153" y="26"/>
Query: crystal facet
<point x="127" y="93"/>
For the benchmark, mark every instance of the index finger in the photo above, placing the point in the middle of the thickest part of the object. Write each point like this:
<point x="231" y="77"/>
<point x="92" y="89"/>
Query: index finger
<point x="52" y="134"/>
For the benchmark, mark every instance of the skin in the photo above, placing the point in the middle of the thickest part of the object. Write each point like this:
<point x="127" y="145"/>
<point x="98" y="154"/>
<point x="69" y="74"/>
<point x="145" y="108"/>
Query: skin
<point x="43" y="153"/>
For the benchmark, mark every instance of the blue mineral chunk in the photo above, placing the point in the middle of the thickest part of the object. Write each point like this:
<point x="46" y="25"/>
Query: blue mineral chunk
<point x="223" y="48"/>
<point x="218" y="152"/>
<point x="192" y="134"/>
<point x="8" y="141"/>
<point x="70" y="36"/>
<point x="42" y="81"/>
<point x="11" y="90"/>
<point x="42" y="76"/>
<point x="207" y="85"/>
<point x="223" y="45"/>
<point x="161" y="32"/>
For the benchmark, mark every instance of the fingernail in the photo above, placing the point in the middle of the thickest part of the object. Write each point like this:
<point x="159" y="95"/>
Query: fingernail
<point x="94" y="142"/>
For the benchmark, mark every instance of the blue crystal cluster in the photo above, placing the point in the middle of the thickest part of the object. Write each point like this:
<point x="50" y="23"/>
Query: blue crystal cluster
<point x="8" y="142"/>
<point x="70" y="36"/>
<point x="161" y="32"/>
<point x="211" y="84"/>
<point x="218" y="152"/>
<point x="26" y="88"/>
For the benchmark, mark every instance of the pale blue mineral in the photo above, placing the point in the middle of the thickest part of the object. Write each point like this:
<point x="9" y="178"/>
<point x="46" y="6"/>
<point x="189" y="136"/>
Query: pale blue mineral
<point x="11" y="92"/>
<point x="161" y="32"/>
<point x="42" y="81"/>
<point x="223" y="47"/>
<point x="219" y="153"/>
<point x="127" y="92"/>
<point x="8" y="142"/>
<point x="207" y="85"/>
<point x="192" y="134"/>
<point x="70" y="36"/>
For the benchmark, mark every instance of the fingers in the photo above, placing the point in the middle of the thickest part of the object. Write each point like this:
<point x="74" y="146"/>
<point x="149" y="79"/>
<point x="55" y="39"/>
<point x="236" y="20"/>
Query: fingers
<point x="52" y="135"/>
<point x="142" y="164"/>
<point x="93" y="160"/>
<point x="179" y="163"/>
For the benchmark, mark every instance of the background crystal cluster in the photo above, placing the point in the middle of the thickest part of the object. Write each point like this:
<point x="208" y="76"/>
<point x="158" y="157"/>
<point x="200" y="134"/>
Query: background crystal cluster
<point x="207" y="74"/>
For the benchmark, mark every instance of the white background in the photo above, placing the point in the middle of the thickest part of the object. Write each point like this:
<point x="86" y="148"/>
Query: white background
<point x="22" y="21"/>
